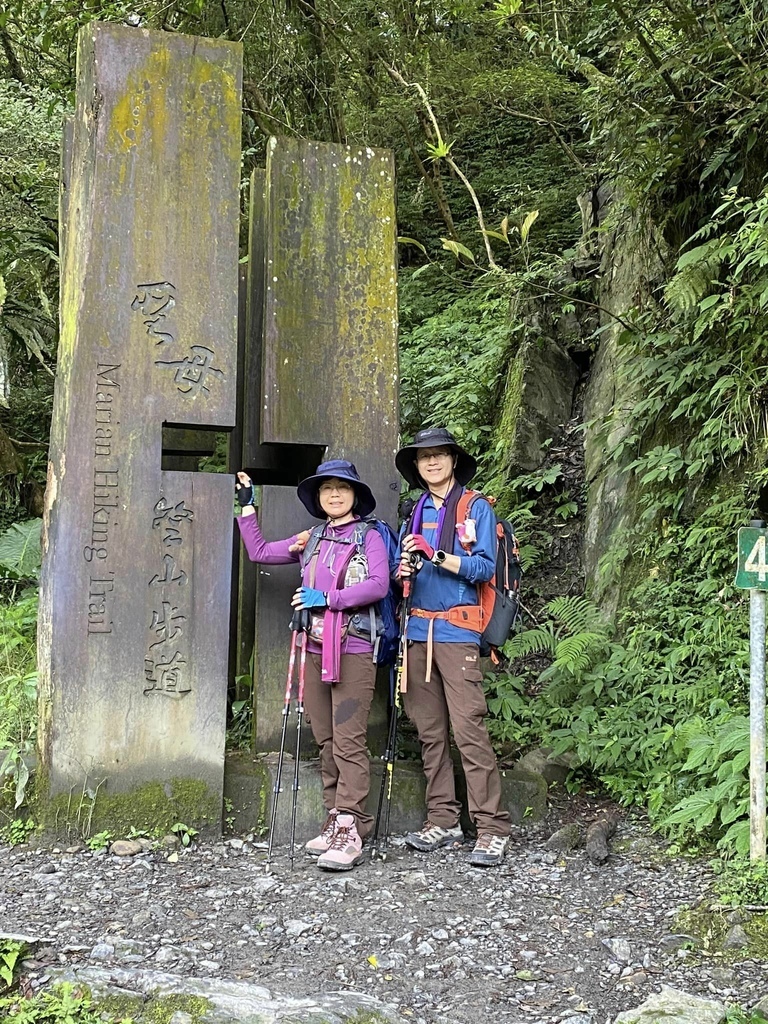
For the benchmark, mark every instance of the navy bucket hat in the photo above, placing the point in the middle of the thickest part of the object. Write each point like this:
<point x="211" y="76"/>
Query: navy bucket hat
<point x="434" y="437"/>
<point x="309" y="489"/>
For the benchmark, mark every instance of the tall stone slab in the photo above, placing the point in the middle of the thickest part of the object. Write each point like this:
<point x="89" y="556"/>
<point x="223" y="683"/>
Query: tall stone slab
<point x="136" y="572"/>
<point x="323" y="327"/>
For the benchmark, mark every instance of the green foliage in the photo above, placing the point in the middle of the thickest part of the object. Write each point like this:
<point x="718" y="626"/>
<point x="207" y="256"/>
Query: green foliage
<point x="19" y="562"/>
<point x="673" y="101"/>
<point x="658" y="712"/>
<point x="741" y="882"/>
<point x="737" y="1015"/>
<point x="466" y="339"/>
<point x="17" y="831"/>
<point x="10" y="957"/>
<point x="20" y="553"/>
<point x="675" y="686"/>
<point x="18" y="685"/>
<point x="574" y="636"/>
<point x="537" y="480"/>
<point x="100" y="840"/>
<point x="30" y="138"/>
<point x="240" y="729"/>
<point x="571" y="635"/>
<point x="184" y="833"/>
<point x="64" y="1004"/>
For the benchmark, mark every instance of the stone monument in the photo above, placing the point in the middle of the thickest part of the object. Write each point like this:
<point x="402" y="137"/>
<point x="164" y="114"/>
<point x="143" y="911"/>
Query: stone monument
<point x="134" y="623"/>
<point x="321" y="363"/>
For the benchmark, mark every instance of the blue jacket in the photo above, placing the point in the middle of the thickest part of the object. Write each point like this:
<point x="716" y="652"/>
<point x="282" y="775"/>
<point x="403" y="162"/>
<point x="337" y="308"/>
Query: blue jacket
<point x="438" y="590"/>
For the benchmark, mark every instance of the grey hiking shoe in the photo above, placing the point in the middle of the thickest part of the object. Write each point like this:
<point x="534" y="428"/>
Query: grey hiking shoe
<point x="489" y="850"/>
<point x="432" y="837"/>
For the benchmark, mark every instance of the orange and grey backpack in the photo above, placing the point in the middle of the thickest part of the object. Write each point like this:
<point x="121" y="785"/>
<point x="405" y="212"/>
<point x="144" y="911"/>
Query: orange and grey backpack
<point x="498" y="600"/>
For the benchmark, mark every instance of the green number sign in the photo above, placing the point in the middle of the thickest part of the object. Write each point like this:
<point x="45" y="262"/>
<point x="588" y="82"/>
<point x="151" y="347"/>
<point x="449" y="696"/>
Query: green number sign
<point x="752" y="573"/>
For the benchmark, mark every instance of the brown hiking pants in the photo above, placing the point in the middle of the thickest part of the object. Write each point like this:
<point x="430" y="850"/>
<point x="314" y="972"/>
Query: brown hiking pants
<point x="338" y="715"/>
<point x="453" y="698"/>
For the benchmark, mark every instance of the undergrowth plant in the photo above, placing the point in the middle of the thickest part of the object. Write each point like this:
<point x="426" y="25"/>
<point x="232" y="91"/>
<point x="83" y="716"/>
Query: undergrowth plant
<point x="63" y="1004"/>
<point x="454" y="352"/>
<point x="19" y="568"/>
<point x="657" y="708"/>
<point x="11" y="952"/>
<point x="741" y="882"/>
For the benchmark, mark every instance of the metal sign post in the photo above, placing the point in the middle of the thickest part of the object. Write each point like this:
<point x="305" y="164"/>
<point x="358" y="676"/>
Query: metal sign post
<point x="752" y="575"/>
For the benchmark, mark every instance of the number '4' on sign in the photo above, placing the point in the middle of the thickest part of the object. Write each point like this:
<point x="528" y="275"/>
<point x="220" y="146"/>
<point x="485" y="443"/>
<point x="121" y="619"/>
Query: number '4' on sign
<point x="752" y="572"/>
<point x="756" y="559"/>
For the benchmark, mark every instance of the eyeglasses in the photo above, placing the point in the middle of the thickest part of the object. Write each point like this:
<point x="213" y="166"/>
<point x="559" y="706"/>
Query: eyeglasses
<point x="426" y="456"/>
<point x="339" y="486"/>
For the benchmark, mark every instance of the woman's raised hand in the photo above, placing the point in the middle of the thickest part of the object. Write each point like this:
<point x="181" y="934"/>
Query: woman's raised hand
<point x="244" y="490"/>
<point x="301" y="541"/>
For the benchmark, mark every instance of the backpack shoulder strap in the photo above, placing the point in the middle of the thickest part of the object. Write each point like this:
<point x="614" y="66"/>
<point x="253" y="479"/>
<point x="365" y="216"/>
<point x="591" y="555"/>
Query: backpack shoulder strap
<point x="312" y="545"/>
<point x="466" y="501"/>
<point x="364" y="527"/>
<point x="464" y="507"/>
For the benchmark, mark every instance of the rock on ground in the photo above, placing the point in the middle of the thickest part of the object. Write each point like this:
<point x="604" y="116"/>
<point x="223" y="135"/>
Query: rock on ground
<point x="673" y="1007"/>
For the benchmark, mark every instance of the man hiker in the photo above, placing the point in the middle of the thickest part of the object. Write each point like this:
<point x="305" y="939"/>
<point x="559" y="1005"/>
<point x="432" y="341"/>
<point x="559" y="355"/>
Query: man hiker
<point x="443" y="682"/>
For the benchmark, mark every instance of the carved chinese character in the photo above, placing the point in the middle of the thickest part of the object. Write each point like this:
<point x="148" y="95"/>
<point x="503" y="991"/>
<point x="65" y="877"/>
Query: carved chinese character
<point x="166" y="676"/>
<point x="166" y="624"/>
<point x="194" y="370"/>
<point x="163" y="511"/>
<point x="173" y="514"/>
<point x="155" y="301"/>
<point x="169" y="565"/>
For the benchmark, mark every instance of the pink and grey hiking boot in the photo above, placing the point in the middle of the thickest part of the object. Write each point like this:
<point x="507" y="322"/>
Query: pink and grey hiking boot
<point x="346" y="847"/>
<point x="321" y="843"/>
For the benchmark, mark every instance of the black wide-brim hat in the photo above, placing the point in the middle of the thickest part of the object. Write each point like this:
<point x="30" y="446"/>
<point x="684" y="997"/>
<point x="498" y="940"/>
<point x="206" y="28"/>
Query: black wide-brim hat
<point x="434" y="437"/>
<point x="309" y="489"/>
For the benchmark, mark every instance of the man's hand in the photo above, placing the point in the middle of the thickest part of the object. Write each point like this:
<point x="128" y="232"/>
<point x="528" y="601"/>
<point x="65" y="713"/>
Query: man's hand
<point x="308" y="597"/>
<point x="414" y="543"/>
<point x="301" y="541"/>
<point x="410" y="563"/>
<point x="244" y="489"/>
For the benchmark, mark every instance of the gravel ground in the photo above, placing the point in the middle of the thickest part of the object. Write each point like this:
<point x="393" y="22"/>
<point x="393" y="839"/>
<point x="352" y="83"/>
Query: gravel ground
<point x="547" y="938"/>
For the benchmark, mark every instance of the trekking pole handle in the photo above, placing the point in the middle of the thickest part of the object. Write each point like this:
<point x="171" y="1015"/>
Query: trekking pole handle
<point x="301" y="620"/>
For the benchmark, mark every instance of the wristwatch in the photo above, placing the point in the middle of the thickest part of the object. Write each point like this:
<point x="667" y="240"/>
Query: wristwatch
<point x="438" y="558"/>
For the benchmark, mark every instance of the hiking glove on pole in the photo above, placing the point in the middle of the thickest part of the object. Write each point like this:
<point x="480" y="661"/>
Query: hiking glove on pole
<point x="418" y="544"/>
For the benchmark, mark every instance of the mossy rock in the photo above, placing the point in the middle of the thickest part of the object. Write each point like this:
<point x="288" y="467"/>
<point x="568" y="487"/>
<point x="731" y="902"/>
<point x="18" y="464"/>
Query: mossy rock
<point x="711" y="926"/>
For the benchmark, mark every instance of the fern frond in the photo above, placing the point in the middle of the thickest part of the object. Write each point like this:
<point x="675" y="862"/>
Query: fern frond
<point x="531" y="641"/>
<point x="575" y="653"/>
<point x="577" y="614"/>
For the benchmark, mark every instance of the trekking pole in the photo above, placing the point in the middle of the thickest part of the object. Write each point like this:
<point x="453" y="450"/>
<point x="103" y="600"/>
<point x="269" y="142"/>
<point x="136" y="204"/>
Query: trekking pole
<point x="379" y="849"/>
<point x="386" y="776"/>
<point x="303" y="627"/>
<point x="286" y="712"/>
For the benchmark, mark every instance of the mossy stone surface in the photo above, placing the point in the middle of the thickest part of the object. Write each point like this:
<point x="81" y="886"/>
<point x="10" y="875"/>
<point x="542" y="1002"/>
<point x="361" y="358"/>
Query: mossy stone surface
<point x="155" y="807"/>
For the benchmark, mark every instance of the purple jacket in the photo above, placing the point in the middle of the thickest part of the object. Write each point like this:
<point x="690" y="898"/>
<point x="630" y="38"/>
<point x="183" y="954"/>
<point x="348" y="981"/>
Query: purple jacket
<point x="330" y="555"/>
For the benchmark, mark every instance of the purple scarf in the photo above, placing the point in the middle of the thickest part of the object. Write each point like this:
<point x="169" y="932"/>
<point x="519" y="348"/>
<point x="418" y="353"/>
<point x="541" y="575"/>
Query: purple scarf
<point x="333" y="621"/>
<point x="446" y="518"/>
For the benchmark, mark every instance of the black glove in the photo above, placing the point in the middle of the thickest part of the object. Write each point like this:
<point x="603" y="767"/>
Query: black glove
<point x="243" y="493"/>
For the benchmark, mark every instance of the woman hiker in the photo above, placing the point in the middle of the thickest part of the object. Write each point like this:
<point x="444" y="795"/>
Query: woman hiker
<point x="348" y="571"/>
